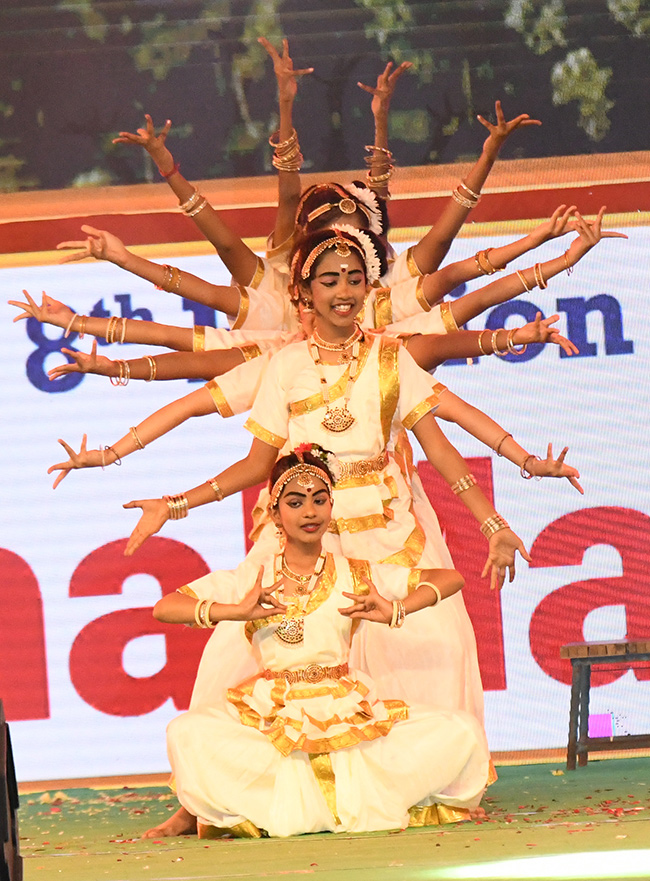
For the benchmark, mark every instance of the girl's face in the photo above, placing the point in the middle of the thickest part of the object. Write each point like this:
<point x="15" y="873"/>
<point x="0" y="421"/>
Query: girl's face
<point x="304" y="513"/>
<point x="338" y="289"/>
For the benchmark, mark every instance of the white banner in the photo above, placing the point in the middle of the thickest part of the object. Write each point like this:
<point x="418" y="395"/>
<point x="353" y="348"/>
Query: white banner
<point x="90" y="682"/>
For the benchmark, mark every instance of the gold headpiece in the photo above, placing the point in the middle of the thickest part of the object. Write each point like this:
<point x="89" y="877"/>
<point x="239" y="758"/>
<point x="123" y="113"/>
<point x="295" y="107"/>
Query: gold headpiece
<point x="342" y="246"/>
<point x="305" y="474"/>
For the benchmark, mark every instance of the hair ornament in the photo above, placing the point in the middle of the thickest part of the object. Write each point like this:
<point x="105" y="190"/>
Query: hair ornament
<point x="367" y="197"/>
<point x="367" y="247"/>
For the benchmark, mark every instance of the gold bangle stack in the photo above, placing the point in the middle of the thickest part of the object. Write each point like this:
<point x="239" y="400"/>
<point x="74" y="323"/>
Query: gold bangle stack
<point x="465" y="197"/>
<point x="111" y="329"/>
<point x="466" y="482"/>
<point x="217" y="489"/>
<point x="103" y="450"/>
<point x="522" y="279"/>
<point x="136" y="438"/>
<point x="493" y="524"/>
<point x="82" y="326"/>
<point x="495" y="347"/>
<point x="480" y="343"/>
<point x="434" y="588"/>
<point x="152" y="367"/>
<point x="124" y="374"/>
<point x="171" y="281"/>
<point x="178" y="506"/>
<point x="523" y="471"/>
<point x="483" y="263"/>
<point x="194" y="204"/>
<point x="399" y="614"/>
<point x="540" y="281"/>
<point x="202" y="614"/>
<point x="567" y="265"/>
<point x="286" y="154"/>
<point x="511" y="345"/>
<point x="497" y="449"/>
<point x="379" y="156"/>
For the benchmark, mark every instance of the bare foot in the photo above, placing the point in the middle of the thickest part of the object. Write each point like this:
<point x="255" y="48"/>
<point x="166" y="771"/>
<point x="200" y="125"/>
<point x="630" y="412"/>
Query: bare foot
<point x="180" y="823"/>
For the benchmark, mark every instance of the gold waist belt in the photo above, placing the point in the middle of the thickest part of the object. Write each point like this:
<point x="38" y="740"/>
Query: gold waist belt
<point x="312" y="673"/>
<point x="363" y="467"/>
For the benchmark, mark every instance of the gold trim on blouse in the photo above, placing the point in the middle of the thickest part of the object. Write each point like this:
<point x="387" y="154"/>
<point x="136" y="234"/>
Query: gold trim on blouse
<point x="388" y="383"/>
<point x="420" y="410"/>
<point x="187" y="591"/>
<point x="411" y="265"/>
<point x="219" y="399"/>
<point x="258" y="275"/>
<point x="315" y="402"/>
<point x="198" y="338"/>
<point x="252" y="350"/>
<point x="419" y="296"/>
<point x="383" y="307"/>
<point x="447" y="317"/>
<point x="410" y="555"/>
<point x="244" y="305"/>
<point x="263" y="434"/>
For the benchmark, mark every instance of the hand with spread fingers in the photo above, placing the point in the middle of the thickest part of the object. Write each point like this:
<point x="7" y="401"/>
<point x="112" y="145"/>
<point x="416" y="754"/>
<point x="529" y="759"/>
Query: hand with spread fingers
<point x="100" y="244"/>
<point x="501" y="558"/>
<point x="50" y="311"/>
<point x="153" y="143"/>
<point x="259" y="602"/>
<point x="84" y="362"/>
<point x="541" y="330"/>
<point x="285" y="73"/>
<point x="386" y="82"/>
<point x="372" y="606"/>
<point x="501" y="131"/>
<point x="552" y="467"/>
<point x="589" y="234"/>
<point x="558" y="224"/>
<point x="155" y="513"/>
<point x="83" y="459"/>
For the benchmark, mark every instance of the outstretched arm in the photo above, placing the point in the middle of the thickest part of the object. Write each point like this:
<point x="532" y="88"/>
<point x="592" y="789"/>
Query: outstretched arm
<point x="259" y="602"/>
<point x="127" y="330"/>
<point x="172" y="365"/>
<point x="197" y="403"/>
<point x="432" y="349"/>
<point x="374" y="607"/>
<point x="431" y="250"/>
<point x="589" y="234"/>
<point x="380" y="160"/>
<point x="453" y="468"/>
<point x="251" y="470"/>
<point x="103" y="245"/>
<point x="441" y="282"/>
<point x="237" y="256"/>
<point x="490" y="433"/>
<point x="288" y="158"/>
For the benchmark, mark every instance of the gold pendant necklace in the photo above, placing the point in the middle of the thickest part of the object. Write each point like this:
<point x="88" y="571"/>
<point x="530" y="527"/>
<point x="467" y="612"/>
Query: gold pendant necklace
<point x="337" y="419"/>
<point x="291" y="630"/>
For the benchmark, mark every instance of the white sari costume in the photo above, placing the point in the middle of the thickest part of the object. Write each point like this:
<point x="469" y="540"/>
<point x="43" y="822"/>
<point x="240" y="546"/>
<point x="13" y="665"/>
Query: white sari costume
<point x="380" y="511"/>
<point x="306" y="743"/>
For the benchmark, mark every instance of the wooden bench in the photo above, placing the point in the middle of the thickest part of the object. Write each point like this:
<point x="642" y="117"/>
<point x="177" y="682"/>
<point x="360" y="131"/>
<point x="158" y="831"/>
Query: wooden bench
<point x="583" y="655"/>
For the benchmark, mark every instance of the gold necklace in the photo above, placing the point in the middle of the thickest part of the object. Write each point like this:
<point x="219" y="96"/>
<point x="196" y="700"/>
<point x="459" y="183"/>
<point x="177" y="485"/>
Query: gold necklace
<point x="338" y="347"/>
<point x="291" y="630"/>
<point x="337" y="419"/>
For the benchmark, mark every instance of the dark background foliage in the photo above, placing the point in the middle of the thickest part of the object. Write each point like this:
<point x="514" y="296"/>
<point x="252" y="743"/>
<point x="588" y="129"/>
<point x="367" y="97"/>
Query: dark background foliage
<point x="73" y="73"/>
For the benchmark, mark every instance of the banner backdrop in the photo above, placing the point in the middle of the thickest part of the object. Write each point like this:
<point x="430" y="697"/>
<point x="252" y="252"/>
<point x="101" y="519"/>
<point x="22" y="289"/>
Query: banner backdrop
<point x="88" y="678"/>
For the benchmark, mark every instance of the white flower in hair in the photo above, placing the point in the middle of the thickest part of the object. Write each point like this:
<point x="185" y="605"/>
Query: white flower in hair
<point x="333" y="464"/>
<point x="372" y="261"/>
<point x="368" y="198"/>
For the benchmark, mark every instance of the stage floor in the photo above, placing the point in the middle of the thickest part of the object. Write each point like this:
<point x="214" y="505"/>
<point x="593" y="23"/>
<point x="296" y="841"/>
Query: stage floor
<point x="541" y="822"/>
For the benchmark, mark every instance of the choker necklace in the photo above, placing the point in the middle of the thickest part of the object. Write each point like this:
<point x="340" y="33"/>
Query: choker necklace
<point x="291" y="630"/>
<point x="357" y="334"/>
<point x="337" y="419"/>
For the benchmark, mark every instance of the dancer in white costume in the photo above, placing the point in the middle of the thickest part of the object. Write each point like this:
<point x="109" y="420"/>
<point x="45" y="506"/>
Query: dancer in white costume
<point x="309" y="742"/>
<point x="374" y="511"/>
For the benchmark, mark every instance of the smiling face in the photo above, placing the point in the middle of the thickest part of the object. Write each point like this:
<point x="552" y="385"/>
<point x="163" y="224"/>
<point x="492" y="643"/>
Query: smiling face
<point x="303" y="512"/>
<point x="337" y="288"/>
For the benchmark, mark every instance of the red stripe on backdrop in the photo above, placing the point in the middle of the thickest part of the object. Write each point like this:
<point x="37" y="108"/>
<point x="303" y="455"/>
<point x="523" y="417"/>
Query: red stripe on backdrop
<point x="158" y="228"/>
